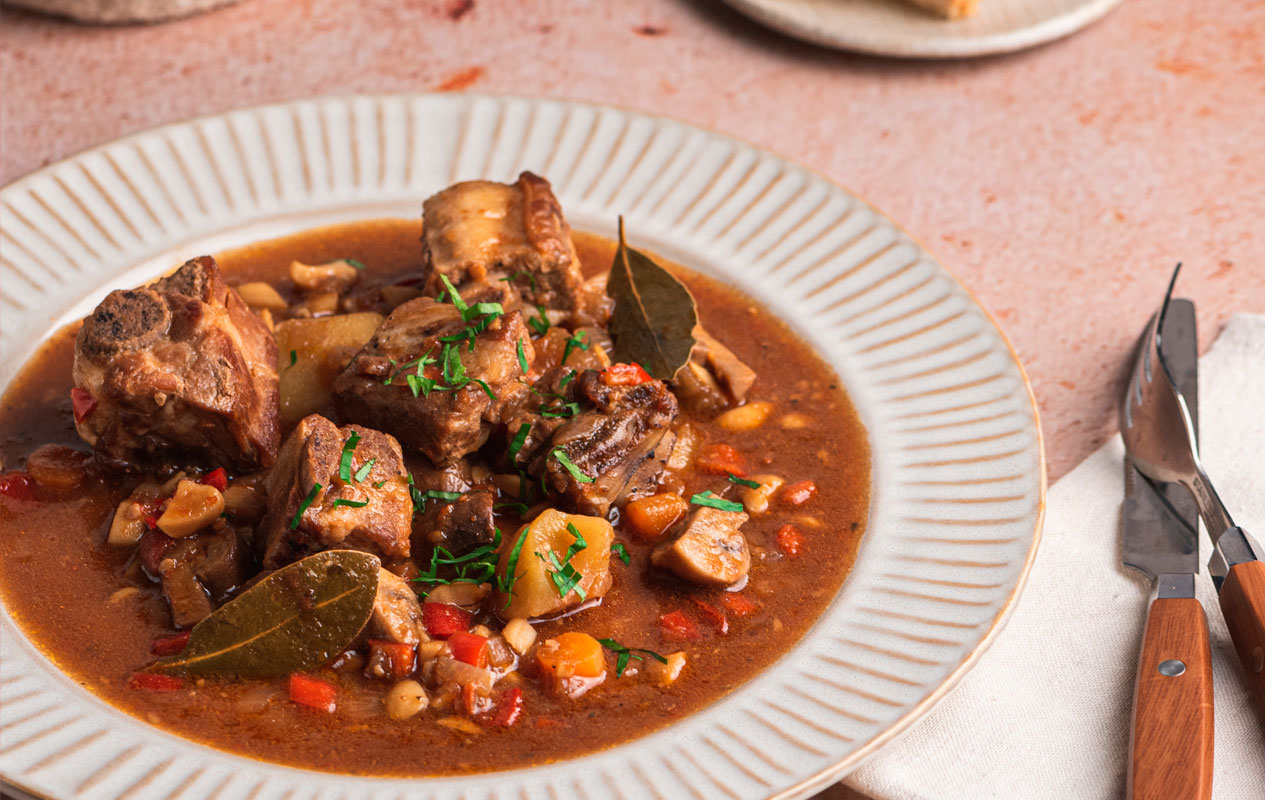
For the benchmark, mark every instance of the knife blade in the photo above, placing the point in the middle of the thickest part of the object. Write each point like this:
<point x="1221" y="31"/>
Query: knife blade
<point x="1171" y="739"/>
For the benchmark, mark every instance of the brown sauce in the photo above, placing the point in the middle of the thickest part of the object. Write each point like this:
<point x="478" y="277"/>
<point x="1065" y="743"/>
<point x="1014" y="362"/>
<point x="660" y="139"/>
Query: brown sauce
<point x="90" y="610"/>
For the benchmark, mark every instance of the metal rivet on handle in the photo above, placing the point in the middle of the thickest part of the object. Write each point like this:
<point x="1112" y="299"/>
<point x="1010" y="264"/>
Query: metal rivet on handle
<point x="1172" y="668"/>
<point x="1258" y="659"/>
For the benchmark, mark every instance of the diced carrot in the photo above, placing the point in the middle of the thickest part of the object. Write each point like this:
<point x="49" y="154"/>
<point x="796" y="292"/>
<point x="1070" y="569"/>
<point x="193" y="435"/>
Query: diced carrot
<point x="712" y="614"/>
<point x="313" y="693"/>
<point x="790" y="540"/>
<point x="630" y="374"/>
<point x="17" y="485"/>
<point x="396" y="659"/>
<point x="217" y="478"/>
<point x="721" y="459"/>
<point x="170" y="645"/>
<point x="739" y="603"/>
<point x="470" y="648"/>
<point x="151" y="549"/>
<point x="154" y="682"/>
<point x="676" y="625"/>
<point x="443" y="620"/>
<point x="794" y="494"/>
<point x="651" y="516"/>
<point x="57" y="468"/>
<point x="82" y="403"/>
<point x="572" y="654"/>
<point x="509" y="707"/>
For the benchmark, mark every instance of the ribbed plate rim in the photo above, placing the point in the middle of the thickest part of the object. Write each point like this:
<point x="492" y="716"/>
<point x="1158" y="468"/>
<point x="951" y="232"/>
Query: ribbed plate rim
<point x="792" y="784"/>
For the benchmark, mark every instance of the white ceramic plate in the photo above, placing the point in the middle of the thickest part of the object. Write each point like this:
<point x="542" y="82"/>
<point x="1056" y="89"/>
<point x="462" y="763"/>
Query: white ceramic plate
<point x="958" y="471"/>
<point x="898" y="28"/>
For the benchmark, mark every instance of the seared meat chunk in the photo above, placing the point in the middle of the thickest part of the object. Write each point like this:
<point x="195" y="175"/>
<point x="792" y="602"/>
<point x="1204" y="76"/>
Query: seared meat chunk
<point x="481" y="232"/>
<point x="545" y="409"/>
<point x="619" y="444"/>
<point x="198" y="572"/>
<point x="397" y="615"/>
<point x="313" y="507"/>
<point x="465" y="523"/>
<point x="710" y="551"/>
<point x="431" y="394"/>
<point x="456" y="523"/>
<point x="452" y="477"/>
<point x="180" y="369"/>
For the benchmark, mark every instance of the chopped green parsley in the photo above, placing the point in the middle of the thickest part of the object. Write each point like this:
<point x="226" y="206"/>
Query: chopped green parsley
<point x="350" y="503"/>
<point x="576" y="340"/>
<point x="344" y="462"/>
<point x="540" y="323"/>
<point x="743" y="481"/>
<point x="623" y="654"/>
<point x="566" y="462"/>
<point x="710" y="500"/>
<point x="520" y="438"/>
<point x="307" y="502"/>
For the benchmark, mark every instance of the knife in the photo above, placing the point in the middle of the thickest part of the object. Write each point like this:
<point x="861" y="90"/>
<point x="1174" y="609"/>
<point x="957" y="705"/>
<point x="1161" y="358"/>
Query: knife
<point x="1170" y="743"/>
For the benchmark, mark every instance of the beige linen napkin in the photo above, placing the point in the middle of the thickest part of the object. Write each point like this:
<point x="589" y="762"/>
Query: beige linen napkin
<point x="1045" y="713"/>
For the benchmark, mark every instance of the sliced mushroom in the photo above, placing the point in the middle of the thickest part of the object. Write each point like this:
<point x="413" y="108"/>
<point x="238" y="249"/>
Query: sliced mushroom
<point x="711" y="551"/>
<point x="732" y="373"/>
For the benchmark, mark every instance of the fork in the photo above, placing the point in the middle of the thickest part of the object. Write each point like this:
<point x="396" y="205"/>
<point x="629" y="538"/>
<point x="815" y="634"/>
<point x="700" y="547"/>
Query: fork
<point x="1159" y="438"/>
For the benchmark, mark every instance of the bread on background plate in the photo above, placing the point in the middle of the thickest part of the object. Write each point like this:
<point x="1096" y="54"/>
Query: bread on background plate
<point x="949" y="9"/>
<point x="120" y="12"/>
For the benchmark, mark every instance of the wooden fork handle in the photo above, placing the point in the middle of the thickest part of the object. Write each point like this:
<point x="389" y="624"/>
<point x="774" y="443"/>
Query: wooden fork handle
<point x="1170" y="749"/>
<point x="1243" y="605"/>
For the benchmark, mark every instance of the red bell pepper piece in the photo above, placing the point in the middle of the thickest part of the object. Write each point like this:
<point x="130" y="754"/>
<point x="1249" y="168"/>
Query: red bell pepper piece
<point x="82" y="403"/>
<point x="676" y="625"/>
<point x="170" y="645"/>
<point x="443" y="620"/>
<point x="794" y="494"/>
<point x="739" y="603"/>
<point x="154" y="682"/>
<point x="721" y="459"/>
<point x="789" y="540"/>
<point x="217" y="478"/>
<point x="630" y="374"/>
<point x="470" y="648"/>
<point x="509" y="707"/>
<point x="396" y="657"/>
<point x="713" y="615"/>
<point x="17" y="485"/>
<point x="313" y="693"/>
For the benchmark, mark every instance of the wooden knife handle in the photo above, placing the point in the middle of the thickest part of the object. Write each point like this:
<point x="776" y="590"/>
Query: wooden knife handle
<point x="1243" y="605"/>
<point x="1170" y="749"/>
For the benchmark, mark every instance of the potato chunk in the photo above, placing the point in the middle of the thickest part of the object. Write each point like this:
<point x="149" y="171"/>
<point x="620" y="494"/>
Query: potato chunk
<point x="320" y="349"/>
<point x="533" y="592"/>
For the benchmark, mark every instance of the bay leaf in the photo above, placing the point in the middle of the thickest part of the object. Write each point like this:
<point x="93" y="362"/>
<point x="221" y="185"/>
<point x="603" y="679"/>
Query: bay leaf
<point x="295" y="619"/>
<point x="655" y="314"/>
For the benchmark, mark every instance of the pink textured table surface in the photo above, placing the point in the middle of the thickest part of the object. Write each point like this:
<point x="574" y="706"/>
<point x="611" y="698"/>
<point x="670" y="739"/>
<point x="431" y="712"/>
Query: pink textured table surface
<point x="1060" y="184"/>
